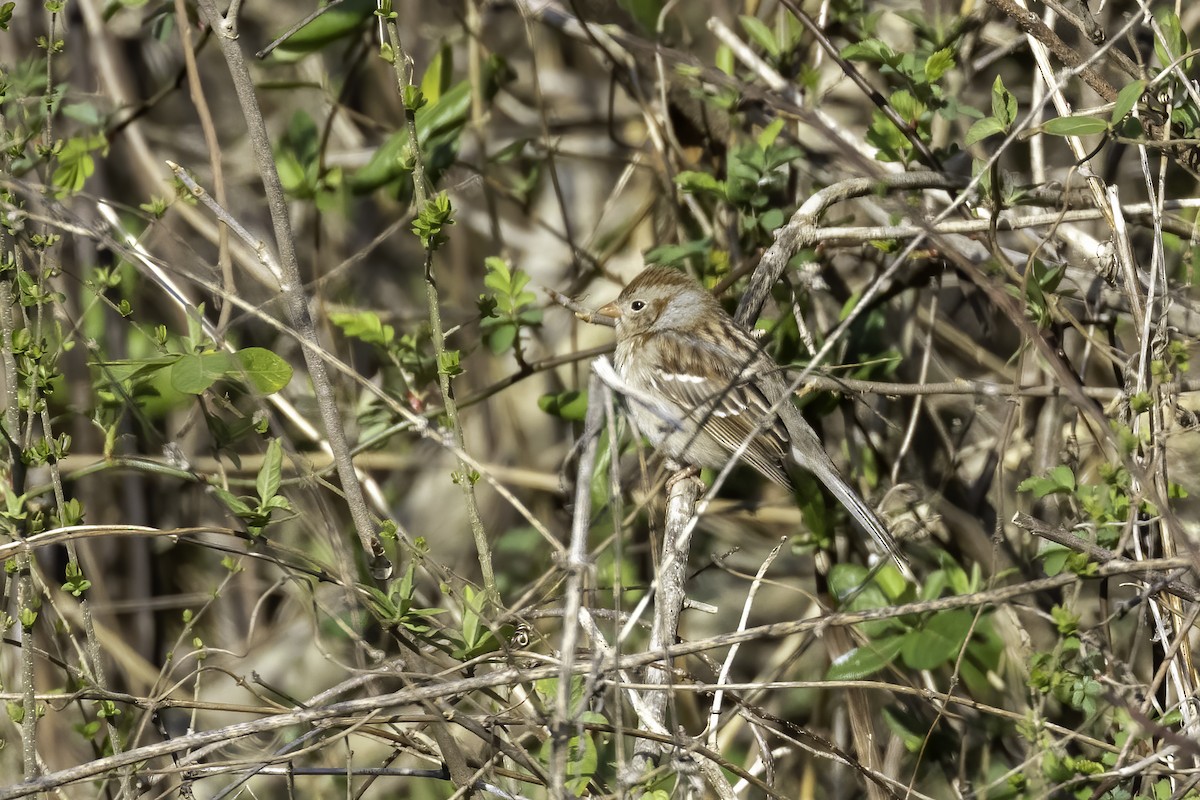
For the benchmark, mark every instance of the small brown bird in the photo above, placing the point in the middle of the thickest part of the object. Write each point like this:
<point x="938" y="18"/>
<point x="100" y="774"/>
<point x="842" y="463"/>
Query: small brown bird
<point x="706" y="388"/>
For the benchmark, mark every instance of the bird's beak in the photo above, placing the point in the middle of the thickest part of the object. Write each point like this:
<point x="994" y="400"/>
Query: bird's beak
<point x="605" y="315"/>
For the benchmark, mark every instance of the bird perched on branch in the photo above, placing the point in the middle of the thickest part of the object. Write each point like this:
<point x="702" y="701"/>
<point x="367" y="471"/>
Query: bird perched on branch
<point x="703" y="390"/>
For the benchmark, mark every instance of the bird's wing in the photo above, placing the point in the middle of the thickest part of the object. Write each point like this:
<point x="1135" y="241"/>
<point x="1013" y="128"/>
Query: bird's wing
<point x="726" y="392"/>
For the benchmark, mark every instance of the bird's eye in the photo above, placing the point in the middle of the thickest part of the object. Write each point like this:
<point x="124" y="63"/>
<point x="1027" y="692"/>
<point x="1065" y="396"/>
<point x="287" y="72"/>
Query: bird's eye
<point x="637" y="305"/>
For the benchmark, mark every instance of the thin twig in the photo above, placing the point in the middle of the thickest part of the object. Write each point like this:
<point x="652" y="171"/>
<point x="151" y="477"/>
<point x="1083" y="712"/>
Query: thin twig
<point x="714" y="714"/>
<point x="870" y="91"/>
<point x="1095" y="552"/>
<point x="266" y="51"/>
<point x="464" y="476"/>
<point x="213" y="146"/>
<point x="513" y="675"/>
<point x="577" y="568"/>
<point x="296" y="303"/>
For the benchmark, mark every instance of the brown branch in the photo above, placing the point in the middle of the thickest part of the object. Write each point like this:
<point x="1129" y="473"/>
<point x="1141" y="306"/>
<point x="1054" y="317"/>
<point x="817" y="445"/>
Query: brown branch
<point x="1031" y="24"/>
<point x="296" y="302"/>
<point x="1095" y="552"/>
<point x="513" y="676"/>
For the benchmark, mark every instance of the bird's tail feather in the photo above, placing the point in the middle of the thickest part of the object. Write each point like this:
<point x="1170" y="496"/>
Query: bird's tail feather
<point x="862" y="513"/>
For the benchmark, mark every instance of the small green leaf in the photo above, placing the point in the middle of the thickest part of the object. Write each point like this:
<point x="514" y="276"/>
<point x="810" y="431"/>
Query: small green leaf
<point x="1059" y="480"/>
<point x="414" y="99"/>
<point x="724" y="60"/>
<point x="939" y="64"/>
<point x="771" y="220"/>
<point x="501" y="336"/>
<point x="234" y="503"/>
<point x="448" y="363"/>
<point x="1174" y="42"/>
<point x="1004" y="104"/>
<point x="982" y="129"/>
<point x="693" y="182"/>
<point x="270" y="473"/>
<point x="570" y="405"/>
<point x="266" y="370"/>
<point x="339" y="21"/>
<point x="865" y="661"/>
<point x="870" y="50"/>
<point x="1126" y="99"/>
<point x="645" y="12"/>
<point x="364" y="326"/>
<point x="674" y="254"/>
<point x="1075" y="126"/>
<point x="193" y="373"/>
<point x="76" y="164"/>
<point x="938" y="640"/>
<point x="913" y="740"/>
<point x="436" y="79"/>
<point x="770" y="133"/>
<point x="433" y="218"/>
<point x="87" y="113"/>
<point x="757" y="30"/>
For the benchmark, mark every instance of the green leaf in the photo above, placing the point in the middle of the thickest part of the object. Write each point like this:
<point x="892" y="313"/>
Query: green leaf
<point x="448" y="363"/>
<point x="413" y="98"/>
<point x="75" y="164"/>
<point x="862" y="662"/>
<point x="339" y="21"/>
<point x="129" y="370"/>
<point x="913" y="740"/>
<point x="436" y="79"/>
<point x="439" y="125"/>
<point x="364" y="326"/>
<point x="193" y="373"/>
<point x="1059" y="480"/>
<point x="389" y="162"/>
<point x="501" y="336"/>
<point x="508" y="308"/>
<point x="237" y="505"/>
<point x="6" y="13"/>
<point x="1075" y="126"/>
<point x="433" y="218"/>
<point x="724" y="60"/>
<point x="938" y="640"/>
<point x="982" y="129"/>
<point x="266" y="371"/>
<point x="939" y="64"/>
<point x="583" y="757"/>
<point x="570" y="405"/>
<point x="871" y="50"/>
<point x="1174" y="42"/>
<point x="87" y="113"/>
<point x="769" y="134"/>
<point x="693" y="182"/>
<point x="1126" y="99"/>
<point x="1004" y="104"/>
<point x="270" y="473"/>
<point x="760" y="33"/>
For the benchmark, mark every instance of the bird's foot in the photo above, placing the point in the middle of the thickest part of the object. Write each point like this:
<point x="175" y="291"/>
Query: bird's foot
<point x="682" y="472"/>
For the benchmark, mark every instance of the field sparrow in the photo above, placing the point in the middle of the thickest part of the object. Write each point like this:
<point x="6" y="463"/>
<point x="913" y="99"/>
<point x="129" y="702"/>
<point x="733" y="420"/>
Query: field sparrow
<point x="705" y="387"/>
